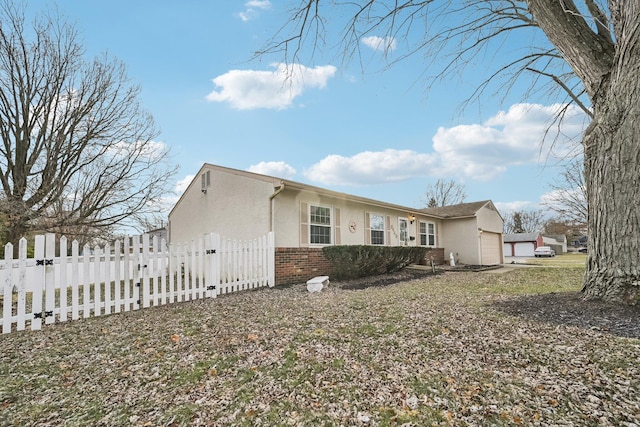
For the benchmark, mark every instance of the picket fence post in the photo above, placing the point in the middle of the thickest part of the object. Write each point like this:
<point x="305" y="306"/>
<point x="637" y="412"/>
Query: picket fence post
<point x="22" y="291"/>
<point x="38" y="284"/>
<point x="49" y="278"/>
<point x="108" y="299"/>
<point x="75" y="280"/>
<point x="7" y="308"/>
<point x="63" y="280"/>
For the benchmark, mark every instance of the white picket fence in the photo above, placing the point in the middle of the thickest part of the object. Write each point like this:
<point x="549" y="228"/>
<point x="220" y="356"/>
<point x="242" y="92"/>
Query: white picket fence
<point x="132" y="273"/>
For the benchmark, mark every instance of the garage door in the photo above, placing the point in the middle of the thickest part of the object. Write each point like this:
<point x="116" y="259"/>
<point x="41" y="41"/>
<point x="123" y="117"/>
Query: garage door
<point x="507" y="249"/>
<point x="524" y="249"/>
<point x="491" y="249"/>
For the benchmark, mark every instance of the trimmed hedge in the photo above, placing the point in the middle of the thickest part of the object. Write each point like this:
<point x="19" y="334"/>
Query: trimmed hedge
<point x="353" y="261"/>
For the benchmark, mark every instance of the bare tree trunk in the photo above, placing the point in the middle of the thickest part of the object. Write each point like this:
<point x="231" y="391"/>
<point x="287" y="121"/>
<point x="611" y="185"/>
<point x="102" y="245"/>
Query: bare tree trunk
<point x="612" y="169"/>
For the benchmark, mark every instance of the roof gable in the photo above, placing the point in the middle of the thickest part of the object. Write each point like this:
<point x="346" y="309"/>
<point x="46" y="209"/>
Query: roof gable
<point x="461" y="210"/>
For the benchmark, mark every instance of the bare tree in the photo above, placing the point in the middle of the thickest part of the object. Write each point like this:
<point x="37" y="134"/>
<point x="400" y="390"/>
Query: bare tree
<point x="77" y="152"/>
<point x="568" y="198"/>
<point x="524" y="222"/>
<point x="588" y="51"/>
<point x="445" y="193"/>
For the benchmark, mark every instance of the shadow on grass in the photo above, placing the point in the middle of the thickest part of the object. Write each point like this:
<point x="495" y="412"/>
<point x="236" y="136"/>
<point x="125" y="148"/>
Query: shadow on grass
<point x="569" y="309"/>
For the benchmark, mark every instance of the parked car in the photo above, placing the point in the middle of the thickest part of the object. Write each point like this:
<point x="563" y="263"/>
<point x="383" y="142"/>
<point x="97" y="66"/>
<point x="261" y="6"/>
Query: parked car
<point x="582" y="250"/>
<point x="544" y="251"/>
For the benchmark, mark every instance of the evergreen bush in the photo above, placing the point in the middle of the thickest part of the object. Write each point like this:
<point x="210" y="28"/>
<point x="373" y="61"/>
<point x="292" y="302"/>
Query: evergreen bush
<point x="354" y="261"/>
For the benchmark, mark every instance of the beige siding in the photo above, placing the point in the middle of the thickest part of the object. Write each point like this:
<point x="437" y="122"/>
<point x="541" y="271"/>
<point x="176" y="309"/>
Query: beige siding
<point x="460" y="237"/>
<point x="489" y="220"/>
<point x="290" y="229"/>
<point x="234" y="206"/>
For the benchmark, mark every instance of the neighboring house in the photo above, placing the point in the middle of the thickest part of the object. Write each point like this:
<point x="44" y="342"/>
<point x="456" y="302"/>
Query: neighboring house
<point x="522" y="244"/>
<point x="160" y="233"/>
<point x="557" y="242"/>
<point x="579" y="241"/>
<point x="245" y="205"/>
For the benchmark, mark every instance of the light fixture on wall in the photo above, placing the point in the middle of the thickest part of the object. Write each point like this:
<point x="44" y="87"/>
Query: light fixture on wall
<point x="204" y="191"/>
<point x="412" y="218"/>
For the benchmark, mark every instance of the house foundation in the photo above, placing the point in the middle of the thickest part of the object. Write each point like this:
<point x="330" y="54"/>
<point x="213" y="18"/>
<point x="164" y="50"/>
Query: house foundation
<point x="297" y="265"/>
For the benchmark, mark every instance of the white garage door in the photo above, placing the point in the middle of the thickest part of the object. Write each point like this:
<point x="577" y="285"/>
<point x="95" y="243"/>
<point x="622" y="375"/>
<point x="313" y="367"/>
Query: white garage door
<point x="491" y="249"/>
<point x="524" y="249"/>
<point x="506" y="249"/>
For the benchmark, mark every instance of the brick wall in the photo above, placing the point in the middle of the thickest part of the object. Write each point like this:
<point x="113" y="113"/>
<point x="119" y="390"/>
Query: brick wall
<point x="297" y="265"/>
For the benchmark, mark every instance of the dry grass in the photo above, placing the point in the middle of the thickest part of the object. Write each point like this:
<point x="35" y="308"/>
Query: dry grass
<point x="440" y="350"/>
<point x="565" y="260"/>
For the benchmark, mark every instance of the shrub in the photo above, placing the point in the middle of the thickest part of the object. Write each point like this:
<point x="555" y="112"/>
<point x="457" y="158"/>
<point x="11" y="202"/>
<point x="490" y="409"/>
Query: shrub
<point x="353" y="261"/>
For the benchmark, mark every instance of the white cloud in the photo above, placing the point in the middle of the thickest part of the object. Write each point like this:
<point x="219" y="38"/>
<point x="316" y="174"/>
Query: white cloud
<point x="483" y="151"/>
<point x="252" y="89"/>
<point x="558" y="199"/>
<point x="371" y="167"/>
<point x="381" y="44"/>
<point x="278" y="169"/>
<point x="518" y="205"/>
<point x="476" y="151"/>
<point x="166" y="203"/>
<point x="253" y="8"/>
<point x="181" y="186"/>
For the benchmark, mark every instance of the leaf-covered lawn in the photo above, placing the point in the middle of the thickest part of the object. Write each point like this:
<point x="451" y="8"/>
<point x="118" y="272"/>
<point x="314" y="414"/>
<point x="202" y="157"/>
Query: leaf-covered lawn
<point x="440" y="350"/>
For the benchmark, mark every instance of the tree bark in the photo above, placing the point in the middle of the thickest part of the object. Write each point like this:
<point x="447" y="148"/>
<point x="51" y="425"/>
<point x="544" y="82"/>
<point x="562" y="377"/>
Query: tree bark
<point x="610" y="72"/>
<point x="612" y="169"/>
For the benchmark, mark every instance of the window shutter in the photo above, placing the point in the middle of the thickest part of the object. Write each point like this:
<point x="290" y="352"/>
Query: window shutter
<point x="367" y="228"/>
<point x="304" y="225"/>
<point x="387" y="240"/>
<point x="336" y="227"/>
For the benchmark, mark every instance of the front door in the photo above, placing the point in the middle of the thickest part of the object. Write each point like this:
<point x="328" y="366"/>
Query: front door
<point x="403" y="231"/>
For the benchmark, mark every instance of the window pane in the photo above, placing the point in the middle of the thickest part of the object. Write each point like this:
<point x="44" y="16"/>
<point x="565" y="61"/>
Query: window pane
<point x="423" y="239"/>
<point x="320" y="225"/>
<point x="320" y="215"/>
<point x="320" y="235"/>
<point x="432" y="234"/>
<point x="377" y="229"/>
<point x="377" y="222"/>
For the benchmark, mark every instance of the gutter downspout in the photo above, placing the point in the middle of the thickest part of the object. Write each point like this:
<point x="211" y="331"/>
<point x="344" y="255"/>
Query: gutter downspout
<point x="271" y="206"/>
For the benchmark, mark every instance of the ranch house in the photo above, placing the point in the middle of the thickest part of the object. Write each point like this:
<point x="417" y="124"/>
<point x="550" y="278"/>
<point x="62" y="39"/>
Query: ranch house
<point x="303" y="218"/>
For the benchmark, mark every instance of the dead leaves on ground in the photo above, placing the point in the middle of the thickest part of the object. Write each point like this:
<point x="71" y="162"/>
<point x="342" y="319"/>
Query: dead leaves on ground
<point x="412" y="353"/>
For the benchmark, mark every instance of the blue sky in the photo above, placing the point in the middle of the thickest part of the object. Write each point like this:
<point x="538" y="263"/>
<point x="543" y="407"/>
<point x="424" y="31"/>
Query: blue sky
<point x="357" y="128"/>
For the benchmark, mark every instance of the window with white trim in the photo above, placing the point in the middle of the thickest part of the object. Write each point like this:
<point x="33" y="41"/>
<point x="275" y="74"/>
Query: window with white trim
<point x="319" y="225"/>
<point x="427" y="234"/>
<point x="377" y="229"/>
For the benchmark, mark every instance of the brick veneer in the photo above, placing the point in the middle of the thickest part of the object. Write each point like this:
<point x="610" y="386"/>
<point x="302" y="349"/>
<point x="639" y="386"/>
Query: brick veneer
<point x="297" y="265"/>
